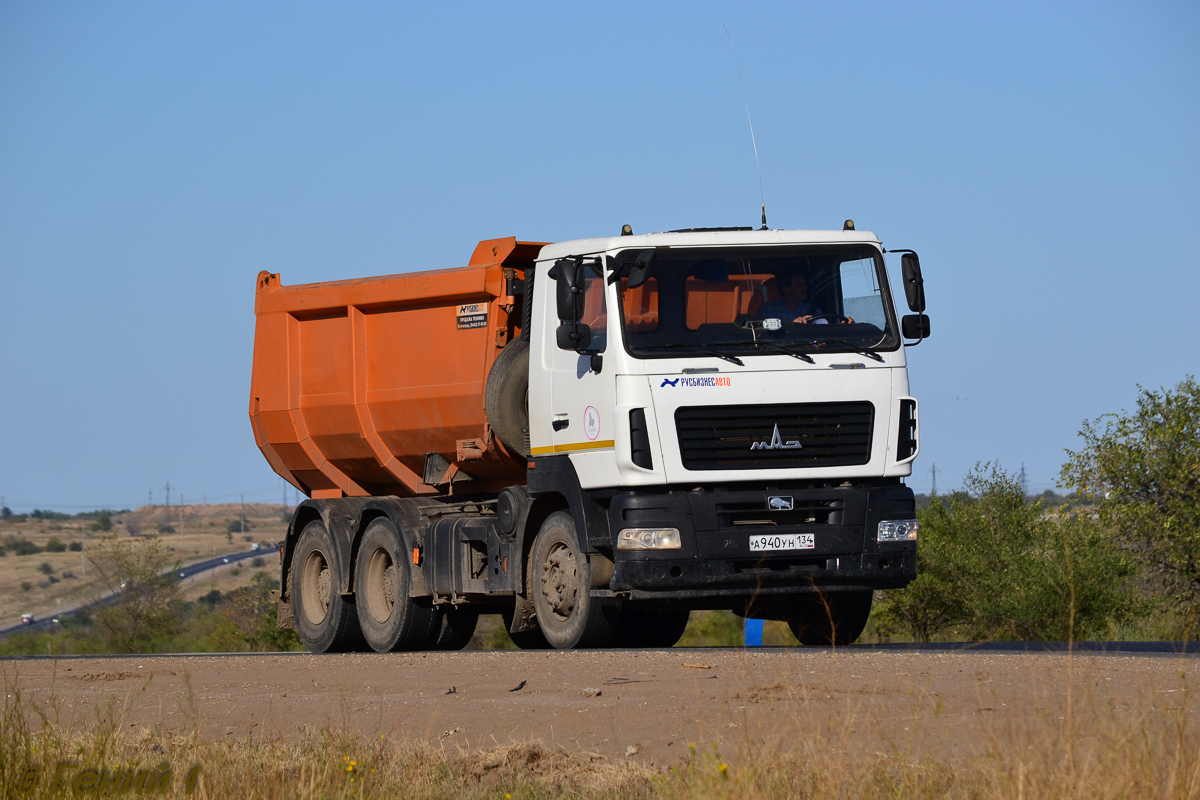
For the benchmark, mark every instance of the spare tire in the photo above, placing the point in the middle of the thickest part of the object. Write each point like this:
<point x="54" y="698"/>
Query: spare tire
<point x="506" y="396"/>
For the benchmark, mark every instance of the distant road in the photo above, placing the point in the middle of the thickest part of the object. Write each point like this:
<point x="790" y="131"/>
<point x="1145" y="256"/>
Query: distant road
<point x="179" y="574"/>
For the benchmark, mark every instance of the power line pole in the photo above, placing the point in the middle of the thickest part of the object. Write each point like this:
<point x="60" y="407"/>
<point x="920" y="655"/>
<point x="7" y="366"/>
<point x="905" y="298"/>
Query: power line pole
<point x="1024" y="485"/>
<point x="242" y="518"/>
<point x="933" y="491"/>
<point x="180" y="525"/>
<point x="168" y="502"/>
<point x="82" y="550"/>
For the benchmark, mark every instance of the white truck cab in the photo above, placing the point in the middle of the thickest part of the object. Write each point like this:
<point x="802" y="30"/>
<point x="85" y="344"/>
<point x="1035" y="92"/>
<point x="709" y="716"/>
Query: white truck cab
<point x="735" y="404"/>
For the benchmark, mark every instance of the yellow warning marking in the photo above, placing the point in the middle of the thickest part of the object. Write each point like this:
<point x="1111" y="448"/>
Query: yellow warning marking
<point x="602" y="444"/>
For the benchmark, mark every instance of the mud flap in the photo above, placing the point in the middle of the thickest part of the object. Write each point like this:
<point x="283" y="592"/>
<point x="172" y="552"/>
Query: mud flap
<point x="284" y="619"/>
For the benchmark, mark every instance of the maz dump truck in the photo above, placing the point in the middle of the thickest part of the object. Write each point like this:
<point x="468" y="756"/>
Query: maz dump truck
<point x="592" y="438"/>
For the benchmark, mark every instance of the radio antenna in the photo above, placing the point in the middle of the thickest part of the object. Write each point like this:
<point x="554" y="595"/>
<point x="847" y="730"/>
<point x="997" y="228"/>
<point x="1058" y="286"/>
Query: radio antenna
<point x="753" y="142"/>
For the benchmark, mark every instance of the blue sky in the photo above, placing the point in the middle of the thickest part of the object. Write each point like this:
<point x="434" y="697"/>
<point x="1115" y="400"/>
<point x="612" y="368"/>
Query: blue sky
<point x="1042" y="158"/>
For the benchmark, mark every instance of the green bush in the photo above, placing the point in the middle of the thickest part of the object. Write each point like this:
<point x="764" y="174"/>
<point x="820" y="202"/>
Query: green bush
<point x="991" y="566"/>
<point x="45" y="568"/>
<point x="55" y="545"/>
<point x="20" y="545"/>
<point x="1142" y="471"/>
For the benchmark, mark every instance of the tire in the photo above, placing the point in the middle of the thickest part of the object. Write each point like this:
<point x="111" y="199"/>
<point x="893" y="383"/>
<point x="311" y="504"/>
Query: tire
<point x="454" y="629"/>
<point x="389" y="618"/>
<point x="567" y="614"/>
<point x="325" y="619"/>
<point x="506" y="396"/>
<point x="525" y="640"/>
<point x="837" y="618"/>
<point x="645" y="626"/>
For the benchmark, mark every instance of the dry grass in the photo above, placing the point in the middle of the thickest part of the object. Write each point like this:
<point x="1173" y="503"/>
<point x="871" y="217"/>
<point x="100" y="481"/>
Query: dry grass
<point x="1122" y="745"/>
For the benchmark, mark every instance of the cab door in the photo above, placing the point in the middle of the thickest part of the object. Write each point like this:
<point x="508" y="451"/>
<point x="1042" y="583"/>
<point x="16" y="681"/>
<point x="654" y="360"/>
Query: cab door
<point x="583" y="392"/>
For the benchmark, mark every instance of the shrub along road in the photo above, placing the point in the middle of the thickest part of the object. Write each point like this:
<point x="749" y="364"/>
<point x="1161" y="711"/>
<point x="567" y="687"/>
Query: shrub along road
<point x="648" y="705"/>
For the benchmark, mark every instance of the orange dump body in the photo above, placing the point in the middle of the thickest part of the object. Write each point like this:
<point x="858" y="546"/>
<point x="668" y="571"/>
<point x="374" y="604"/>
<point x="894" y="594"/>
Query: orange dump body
<point x="356" y="382"/>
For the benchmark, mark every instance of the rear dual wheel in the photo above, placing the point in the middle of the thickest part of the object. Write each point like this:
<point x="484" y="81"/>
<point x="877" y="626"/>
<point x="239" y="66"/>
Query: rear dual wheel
<point x="390" y="618"/>
<point x="455" y="628"/>
<point x="325" y="618"/>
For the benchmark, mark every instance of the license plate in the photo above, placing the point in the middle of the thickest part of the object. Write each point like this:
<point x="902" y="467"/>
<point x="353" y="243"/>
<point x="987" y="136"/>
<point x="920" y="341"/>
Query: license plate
<point x="795" y="541"/>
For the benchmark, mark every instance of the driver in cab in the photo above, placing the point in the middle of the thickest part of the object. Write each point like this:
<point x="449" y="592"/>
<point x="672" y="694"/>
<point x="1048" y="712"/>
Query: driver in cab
<point x="793" y="303"/>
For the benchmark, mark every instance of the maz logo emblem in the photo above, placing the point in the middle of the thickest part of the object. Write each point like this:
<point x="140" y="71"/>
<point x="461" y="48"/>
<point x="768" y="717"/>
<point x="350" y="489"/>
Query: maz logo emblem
<point x="776" y="443"/>
<point x="779" y="503"/>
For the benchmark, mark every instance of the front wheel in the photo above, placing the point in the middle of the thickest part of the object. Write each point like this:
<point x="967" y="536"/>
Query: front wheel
<point x="325" y="618"/>
<point x="836" y="618"/>
<point x="567" y="614"/>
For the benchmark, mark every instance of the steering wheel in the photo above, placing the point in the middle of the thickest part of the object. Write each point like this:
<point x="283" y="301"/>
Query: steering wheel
<point x="832" y="319"/>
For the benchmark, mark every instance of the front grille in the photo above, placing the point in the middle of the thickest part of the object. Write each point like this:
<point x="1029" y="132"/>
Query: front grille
<point x="721" y="437"/>
<point x="803" y="512"/>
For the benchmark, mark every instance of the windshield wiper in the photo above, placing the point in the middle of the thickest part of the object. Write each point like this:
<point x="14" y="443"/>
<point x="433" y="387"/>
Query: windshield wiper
<point x="849" y="348"/>
<point x="787" y="350"/>
<point x="702" y="349"/>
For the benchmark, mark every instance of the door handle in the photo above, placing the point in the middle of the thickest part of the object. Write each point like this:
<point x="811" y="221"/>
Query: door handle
<point x="560" y="424"/>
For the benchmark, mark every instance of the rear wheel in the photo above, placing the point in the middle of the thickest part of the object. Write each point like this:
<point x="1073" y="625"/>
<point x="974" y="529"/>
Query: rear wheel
<point x="455" y="628"/>
<point x="325" y="619"/>
<point x="645" y="626"/>
<point x="389" y="617"/>
<point x="836" y="618"/>
<point x="567" y="613"/>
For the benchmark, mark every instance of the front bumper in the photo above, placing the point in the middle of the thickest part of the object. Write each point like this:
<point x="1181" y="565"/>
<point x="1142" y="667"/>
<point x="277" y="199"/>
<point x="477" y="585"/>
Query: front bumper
<point x="715" y="527"/>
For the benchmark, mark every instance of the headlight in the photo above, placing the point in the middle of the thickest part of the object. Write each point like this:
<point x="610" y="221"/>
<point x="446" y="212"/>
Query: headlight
<point x="649" y="539"/>
<point x="897" y="530"/>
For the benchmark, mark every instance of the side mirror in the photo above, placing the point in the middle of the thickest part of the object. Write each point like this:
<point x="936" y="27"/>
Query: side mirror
<point x="569" y="279"/>
<point x="574" y="336"/>
<point x="915" y="326"/>
<point x="914" y="285"/>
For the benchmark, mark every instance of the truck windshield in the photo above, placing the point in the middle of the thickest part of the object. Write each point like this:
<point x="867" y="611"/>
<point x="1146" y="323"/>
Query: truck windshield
<point x="739" y="301"/>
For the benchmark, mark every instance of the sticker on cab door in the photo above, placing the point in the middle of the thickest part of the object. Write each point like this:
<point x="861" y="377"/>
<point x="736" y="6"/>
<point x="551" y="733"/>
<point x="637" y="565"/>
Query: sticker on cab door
<point x="591" y="423"/>
<point x="472" y="315"/>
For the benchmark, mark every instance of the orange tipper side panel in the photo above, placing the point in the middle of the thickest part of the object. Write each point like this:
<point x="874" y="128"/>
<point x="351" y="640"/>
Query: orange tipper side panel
<point x="354" y="382"/>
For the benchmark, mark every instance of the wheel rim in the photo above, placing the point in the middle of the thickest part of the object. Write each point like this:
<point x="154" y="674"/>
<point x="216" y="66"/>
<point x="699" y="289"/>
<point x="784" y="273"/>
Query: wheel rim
<point x="315" y="587"/>
<point x="381" y="585"/>
<point x="560" y="581"/>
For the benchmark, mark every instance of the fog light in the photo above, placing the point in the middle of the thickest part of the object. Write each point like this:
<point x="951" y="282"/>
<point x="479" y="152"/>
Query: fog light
<point x="649" y="539"/>
<point x="897" y="530"/>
